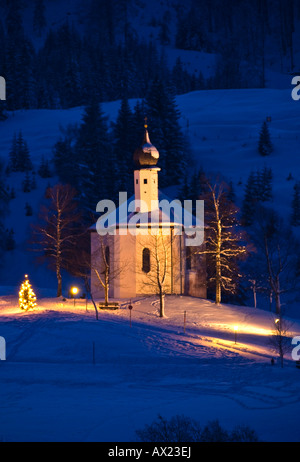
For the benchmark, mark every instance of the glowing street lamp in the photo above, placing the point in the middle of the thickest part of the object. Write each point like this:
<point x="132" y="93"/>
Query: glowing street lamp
<point x="74" y="292"/>
<point x="235" y="328"/>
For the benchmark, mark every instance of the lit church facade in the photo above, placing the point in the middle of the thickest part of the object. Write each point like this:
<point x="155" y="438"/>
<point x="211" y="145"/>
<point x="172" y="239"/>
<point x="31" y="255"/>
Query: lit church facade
<point x="146" y="250"/>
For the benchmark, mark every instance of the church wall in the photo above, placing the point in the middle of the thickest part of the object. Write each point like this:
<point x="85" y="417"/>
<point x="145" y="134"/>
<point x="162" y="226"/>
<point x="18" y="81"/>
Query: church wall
<point x="195" y="277"/>
<point x="125" y="251"/>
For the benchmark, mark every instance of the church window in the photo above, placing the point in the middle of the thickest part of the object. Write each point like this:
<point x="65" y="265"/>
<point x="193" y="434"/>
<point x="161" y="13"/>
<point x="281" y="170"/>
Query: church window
<point x="145" y="181"/>
<point x="146" y="260"/>
<point x="137" y="181"/>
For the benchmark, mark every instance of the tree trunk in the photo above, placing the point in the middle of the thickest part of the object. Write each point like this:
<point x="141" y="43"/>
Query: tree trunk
<point x="106" y="291"/>
<point x="278" y="305"/>
<point x="161" y="305"/>
<point x="218" y="280"/>
<point x="218" y="258"/>
<point x="59" y="281"/>
<point x="277" y="296"/>
<point x="88" y="289"/>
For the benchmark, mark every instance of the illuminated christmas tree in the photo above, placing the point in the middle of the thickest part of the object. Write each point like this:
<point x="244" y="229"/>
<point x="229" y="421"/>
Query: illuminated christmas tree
<point x="27" y="298"/>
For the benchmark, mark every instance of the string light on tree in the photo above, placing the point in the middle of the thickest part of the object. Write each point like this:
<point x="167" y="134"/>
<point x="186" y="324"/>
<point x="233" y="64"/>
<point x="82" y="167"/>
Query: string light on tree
<point x="27" y="297"/>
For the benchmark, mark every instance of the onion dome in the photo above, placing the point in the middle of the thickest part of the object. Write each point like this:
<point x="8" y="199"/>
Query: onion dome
<point x="146" y="155"/>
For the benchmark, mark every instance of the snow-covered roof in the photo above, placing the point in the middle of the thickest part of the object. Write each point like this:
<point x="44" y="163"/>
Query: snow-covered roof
<point x="176" y="216"/>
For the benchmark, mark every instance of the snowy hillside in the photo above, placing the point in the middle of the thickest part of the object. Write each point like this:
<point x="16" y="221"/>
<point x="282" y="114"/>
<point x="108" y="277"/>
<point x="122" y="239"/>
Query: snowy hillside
<point x="52" y="391"/>
<point x="223" y="127"/>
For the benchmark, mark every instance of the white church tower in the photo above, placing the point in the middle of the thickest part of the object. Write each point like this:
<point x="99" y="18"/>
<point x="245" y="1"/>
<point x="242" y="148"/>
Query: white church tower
<point x="146" y="175"/>
<point x="134" y="257"/>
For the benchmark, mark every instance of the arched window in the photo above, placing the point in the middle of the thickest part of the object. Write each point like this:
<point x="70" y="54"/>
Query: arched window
<point x="146" y="260"/>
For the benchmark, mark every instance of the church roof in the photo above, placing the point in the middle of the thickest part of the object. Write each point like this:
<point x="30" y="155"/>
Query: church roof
<point x="177" y="216"/>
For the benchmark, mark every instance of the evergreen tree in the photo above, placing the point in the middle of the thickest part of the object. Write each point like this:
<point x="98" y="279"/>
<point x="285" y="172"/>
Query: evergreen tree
<point x="265" y="147"/>
<point x="250" y="200"/>
<point x="231" y="192"/>
<point x="10" y="243"/>
<point x="265" y="178"/>
<point x="33" y="181"/>
<point x="165" y="132"/>
<point x="295" y="216"/>
<point x="39" y="17"/>
<point x="26" y="185"/>
<point x="13" y="164"/>
<point x="44" y="169"/>
<point x="28" y="210"/>
<point x="95" y="179"/>
<point x="123" y="147"/>
<point x="65" y="157"/>
<point x="20" y="57"/>
<point x="27" y="298"/>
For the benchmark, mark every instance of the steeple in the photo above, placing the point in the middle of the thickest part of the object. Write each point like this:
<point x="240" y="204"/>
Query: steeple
<point x="146" y="155"/>
<point x="146" y="174"/>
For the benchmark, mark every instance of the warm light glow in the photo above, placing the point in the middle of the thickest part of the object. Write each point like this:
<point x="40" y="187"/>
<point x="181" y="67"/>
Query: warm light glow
<point x="277" y="321"/>
<point x="236" y="328"/>
<point x="27" y="298"/>
<point x="74" y="290"/>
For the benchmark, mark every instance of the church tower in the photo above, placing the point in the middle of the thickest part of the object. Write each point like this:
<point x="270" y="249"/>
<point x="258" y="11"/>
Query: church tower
<point x="146" y="175"/>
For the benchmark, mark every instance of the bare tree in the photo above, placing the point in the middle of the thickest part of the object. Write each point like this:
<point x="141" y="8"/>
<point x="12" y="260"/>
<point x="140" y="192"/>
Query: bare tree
<point x="79" y="265"/>
<point x="158" y="263"/>
<point x="280" y="340"/>
<point x="59" y="228"/>
<point x="225" y="243"/>
<point x="83" y="263"/>
<point x="104" y="267"/>
<point x="279" y="248"/>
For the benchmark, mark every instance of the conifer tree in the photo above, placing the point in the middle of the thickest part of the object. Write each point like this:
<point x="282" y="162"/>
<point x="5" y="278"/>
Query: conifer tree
<point x="265" y="146"/>
<point x="165" y="132"/>
<point x="64" y="154"/>
<point x="265" y="178"/>
<point x="10" y="243"/>
<point x="95" y="166"/>
<point x="295" y="216"/>
<point x="44" y="169"/>
<point x="250" y="200"/>
<point x="39" y="18"/>
<point x="123" y="147"/>
<point x="27" y="297"/>
<point x="26" y="185"/>
<point x="13" y="156"/>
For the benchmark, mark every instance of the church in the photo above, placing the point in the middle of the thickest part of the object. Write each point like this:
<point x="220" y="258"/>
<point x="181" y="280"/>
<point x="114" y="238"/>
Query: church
<point x="145" y="250"/>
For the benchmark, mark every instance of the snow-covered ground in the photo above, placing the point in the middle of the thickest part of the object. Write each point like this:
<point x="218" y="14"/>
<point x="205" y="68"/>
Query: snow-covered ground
<point x="51" y="390"/>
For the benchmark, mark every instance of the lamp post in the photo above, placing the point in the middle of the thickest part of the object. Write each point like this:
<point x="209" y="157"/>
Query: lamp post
<point x="235" y="333"/>
<point x="74" y="292"/>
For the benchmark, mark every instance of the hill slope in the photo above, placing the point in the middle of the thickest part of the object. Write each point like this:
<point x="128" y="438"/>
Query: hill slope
<point x="223" y="128"/>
